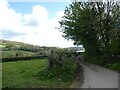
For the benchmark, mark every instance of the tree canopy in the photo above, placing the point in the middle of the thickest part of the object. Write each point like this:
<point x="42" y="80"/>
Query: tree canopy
<point x="96" y="25"/>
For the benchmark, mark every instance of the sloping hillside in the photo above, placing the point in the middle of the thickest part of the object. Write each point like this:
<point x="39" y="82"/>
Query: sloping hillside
<point x="14" y="49"/>
<point x="14" y="45"/>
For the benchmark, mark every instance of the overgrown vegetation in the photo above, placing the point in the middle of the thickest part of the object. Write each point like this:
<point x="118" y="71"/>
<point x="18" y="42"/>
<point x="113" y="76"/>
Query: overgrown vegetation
<point x="61" y="66"/>
<point x="66" y="73"/>
<point x="104" y="62"/>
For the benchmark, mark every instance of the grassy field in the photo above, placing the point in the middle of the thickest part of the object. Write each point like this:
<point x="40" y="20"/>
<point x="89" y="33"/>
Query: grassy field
<point x="9" y="54"/>
<point x="23" y="74"/>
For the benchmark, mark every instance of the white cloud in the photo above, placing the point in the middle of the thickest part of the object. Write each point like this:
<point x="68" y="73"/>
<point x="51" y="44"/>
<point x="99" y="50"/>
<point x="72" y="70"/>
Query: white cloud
<point x="34" y="28"/>
<point x="40" y="12"/>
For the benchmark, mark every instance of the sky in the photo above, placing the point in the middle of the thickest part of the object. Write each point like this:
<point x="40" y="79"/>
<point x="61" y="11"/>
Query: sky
<point x="33" y="22"/>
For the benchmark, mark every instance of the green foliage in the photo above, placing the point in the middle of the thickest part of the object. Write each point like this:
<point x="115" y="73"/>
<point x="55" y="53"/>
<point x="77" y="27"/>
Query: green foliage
<point x="66" y="73"/>
<point x="114" y="66"/>
<point x="95" y="60"/>
<point x="90" y="24"/>
<point x="105" y="63"/>
<point x="96" y="26"/>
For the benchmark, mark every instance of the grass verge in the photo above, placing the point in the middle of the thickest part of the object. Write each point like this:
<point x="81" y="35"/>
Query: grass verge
<point x="99" y="61"/>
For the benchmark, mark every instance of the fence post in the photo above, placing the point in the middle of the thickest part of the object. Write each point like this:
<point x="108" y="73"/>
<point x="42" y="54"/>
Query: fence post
<point x="50" y="60"/>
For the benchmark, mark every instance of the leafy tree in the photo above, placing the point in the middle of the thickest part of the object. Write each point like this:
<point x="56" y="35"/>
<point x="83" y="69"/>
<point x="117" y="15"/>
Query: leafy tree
<point x="93" y="24"/>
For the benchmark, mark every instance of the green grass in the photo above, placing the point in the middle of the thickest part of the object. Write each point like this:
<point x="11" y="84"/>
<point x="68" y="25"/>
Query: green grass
<point x="24" y="74"/>
<point x="103" y="63"/>
<point x="9" y="54"/>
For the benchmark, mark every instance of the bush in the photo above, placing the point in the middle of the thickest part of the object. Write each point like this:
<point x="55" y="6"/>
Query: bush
<point x="105" y="62"/>
<point x="115" y="66"/>
<point x="95" y="60"/>
<point x="66" y="73"/>
<point x="21" y="58"/>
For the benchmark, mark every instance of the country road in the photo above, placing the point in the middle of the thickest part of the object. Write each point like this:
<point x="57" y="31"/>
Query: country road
<point x="94" y="76"/>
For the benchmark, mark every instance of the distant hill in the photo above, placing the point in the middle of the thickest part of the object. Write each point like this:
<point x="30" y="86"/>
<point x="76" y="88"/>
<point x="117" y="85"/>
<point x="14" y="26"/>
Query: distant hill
<point x="11" y="49"/>
<point x="14" y="45"/>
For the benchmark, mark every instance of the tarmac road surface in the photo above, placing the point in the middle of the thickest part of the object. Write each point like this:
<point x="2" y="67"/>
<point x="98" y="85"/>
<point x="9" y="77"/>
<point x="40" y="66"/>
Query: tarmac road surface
<point x="93" y="76"/>
<point x="98" y="77"/>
